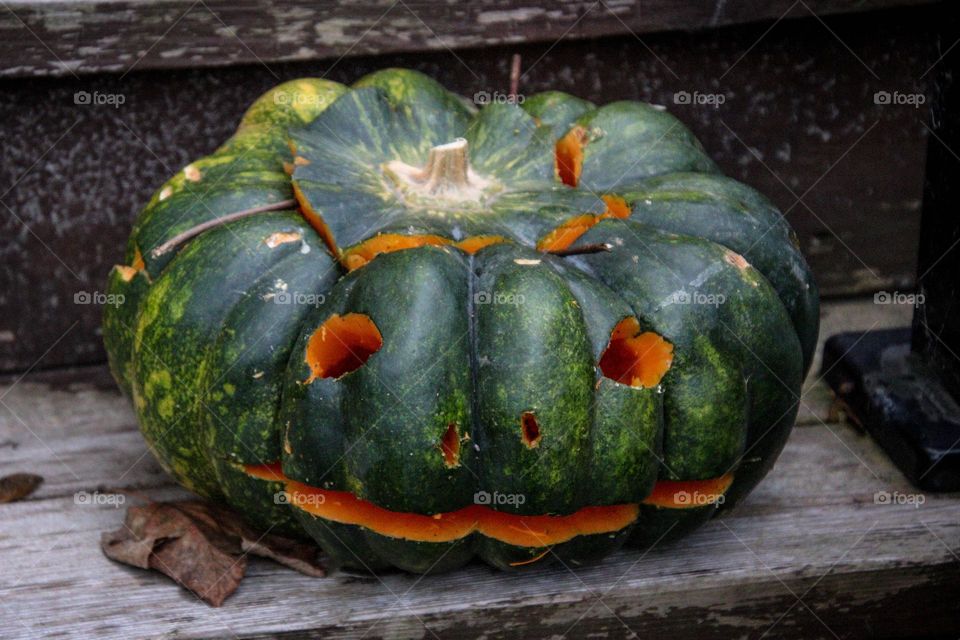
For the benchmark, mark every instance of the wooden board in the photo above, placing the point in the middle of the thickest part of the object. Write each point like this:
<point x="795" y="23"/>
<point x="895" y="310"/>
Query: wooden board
<point x="812" y="553"/>
<point x="71" y="37"/>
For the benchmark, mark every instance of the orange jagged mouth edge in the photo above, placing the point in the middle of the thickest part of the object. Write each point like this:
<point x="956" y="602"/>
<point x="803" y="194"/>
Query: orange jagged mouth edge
<point x="566" y="234"/>
<point x="517" y="530"/>
<point x="360" y="254"/>
<point x="688" y="494"/>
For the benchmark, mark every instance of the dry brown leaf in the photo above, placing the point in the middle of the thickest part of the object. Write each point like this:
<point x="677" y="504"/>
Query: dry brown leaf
<point x="202" y="546"/>
<point x="18" y="486"/>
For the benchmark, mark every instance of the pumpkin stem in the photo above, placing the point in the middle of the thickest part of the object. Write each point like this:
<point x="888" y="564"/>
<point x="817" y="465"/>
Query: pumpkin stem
<point x="447" y="167"/>
<point x="446" y="175"/>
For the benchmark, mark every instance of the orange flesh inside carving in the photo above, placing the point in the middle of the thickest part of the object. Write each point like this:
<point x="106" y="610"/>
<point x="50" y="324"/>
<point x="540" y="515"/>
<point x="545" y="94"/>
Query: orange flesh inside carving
<point x="687" y="494"/>
<point x="522" y="531"/>
<point x="359" y="255"/>
<point x="341" y="345"/>
<point x="634" y="358"/>
<point x="128" y="272"/>
<point x="315" y="220"/>
<point x="569" y="156"/>
<point x="567" y="233"/>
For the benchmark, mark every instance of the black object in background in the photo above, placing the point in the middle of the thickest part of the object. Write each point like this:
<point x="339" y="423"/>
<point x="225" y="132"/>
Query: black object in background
<point x="903" y="385"/>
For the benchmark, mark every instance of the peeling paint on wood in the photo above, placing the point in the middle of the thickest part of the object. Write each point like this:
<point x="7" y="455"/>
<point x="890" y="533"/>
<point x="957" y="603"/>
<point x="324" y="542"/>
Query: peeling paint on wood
<point x="66" y="37"/>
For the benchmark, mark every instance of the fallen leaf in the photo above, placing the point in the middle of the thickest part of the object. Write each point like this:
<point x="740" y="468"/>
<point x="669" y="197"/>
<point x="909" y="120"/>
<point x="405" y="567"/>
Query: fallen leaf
<point x="202" y="546"/>
<point x="18" y="486"/>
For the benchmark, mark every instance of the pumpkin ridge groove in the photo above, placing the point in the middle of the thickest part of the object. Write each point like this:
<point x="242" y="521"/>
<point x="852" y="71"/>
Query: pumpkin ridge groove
<point x="476" y="433"/>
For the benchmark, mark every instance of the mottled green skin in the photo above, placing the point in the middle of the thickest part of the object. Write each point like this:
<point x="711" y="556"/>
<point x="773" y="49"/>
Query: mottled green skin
<point x="120" y="322"/>
<point x="732" y="214"/>
<point x="503" y="338"/>
<point x="218" y="371"/>
<point x="556" y="109"/>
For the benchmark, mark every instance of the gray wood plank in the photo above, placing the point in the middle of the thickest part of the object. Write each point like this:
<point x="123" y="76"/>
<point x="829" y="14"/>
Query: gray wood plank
<point x="70" y="37"/>
<point x="800" y="529"/>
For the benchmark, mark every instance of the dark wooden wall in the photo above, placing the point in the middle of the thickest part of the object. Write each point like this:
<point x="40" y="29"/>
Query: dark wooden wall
<point x="799" y="122"/>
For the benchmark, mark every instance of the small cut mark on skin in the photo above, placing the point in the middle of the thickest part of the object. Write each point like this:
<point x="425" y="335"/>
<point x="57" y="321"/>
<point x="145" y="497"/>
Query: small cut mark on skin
<point x="274" y="240"/>
<point x="736" y="260"/>
<point x="527" y="262"/>
<point x="191" y="173"/>
<point x="127" y="273"/>
<point x="165" y="193"/>
<point x="450" y="446"/>
<point x="530" y="430"/>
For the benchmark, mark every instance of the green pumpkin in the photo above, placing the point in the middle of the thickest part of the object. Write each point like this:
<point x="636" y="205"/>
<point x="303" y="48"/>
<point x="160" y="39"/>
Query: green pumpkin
<point x="525" y="333"/>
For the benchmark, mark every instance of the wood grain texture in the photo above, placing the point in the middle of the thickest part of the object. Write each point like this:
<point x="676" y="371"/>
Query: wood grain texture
<point x="71" y="37"/>
<point x="799" y="119"/>
<point x="812" y="553"/>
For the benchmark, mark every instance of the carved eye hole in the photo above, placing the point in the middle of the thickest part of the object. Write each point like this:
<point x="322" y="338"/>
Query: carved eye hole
<point x="635" y="358"/>
<point x="340" y="345"/>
